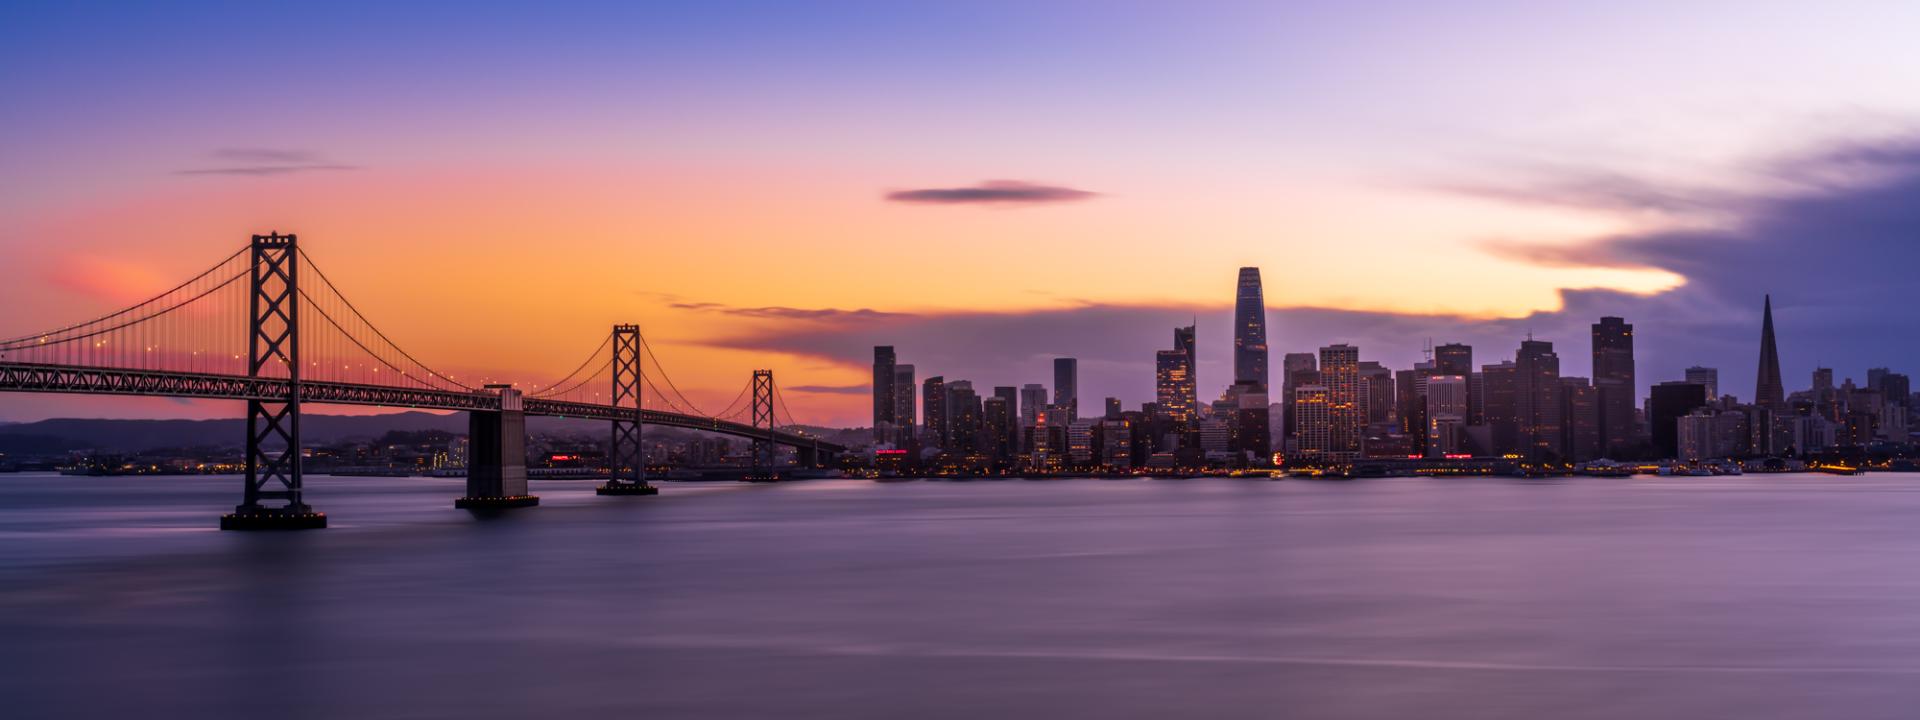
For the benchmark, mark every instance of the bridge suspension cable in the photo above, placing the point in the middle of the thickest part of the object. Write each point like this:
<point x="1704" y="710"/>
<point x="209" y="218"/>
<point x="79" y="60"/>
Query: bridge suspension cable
<point x="335" y="358"/>
<point x="561" y="386"/>
<point x="647" y="348"/>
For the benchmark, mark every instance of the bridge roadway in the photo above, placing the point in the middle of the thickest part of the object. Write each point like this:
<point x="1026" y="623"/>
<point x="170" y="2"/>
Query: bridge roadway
<point x="41" y="378"/>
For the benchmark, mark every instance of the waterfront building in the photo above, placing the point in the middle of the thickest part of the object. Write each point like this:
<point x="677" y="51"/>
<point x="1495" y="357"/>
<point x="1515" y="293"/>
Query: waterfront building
<point x="1314" y="431"/>
<point x="1669" y="402"/>
<point x="1614" y="383"/>
<point x="1537" y="383"/>
<point x="1340" y="375"/>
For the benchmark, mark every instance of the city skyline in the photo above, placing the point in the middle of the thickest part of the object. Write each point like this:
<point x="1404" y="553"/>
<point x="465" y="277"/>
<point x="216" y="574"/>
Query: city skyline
<point x="740" y="221"/>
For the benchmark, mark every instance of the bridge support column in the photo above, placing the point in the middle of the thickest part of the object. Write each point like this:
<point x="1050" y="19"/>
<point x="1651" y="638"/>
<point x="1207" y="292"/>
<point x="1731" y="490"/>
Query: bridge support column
<point x="626" y="456"/>
<point x="763" y="447"/>
<point x="273" y="425"/>
<point x="497" y="456"/>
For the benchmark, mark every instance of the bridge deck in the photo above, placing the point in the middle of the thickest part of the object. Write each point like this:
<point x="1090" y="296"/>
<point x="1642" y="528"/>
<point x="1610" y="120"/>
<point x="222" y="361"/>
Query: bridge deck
<point x="41" y="378"/>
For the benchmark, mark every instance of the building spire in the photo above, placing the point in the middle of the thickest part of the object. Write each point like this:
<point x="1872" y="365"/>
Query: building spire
<point x="1767" y="391"/>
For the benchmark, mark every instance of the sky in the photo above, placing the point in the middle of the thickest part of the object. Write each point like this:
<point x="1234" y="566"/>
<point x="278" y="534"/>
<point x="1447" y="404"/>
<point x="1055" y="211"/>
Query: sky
<point x="983" y="185"/>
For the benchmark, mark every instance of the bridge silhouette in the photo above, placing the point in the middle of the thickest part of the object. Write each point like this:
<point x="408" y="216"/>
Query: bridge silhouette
<point x="267" y="327"/>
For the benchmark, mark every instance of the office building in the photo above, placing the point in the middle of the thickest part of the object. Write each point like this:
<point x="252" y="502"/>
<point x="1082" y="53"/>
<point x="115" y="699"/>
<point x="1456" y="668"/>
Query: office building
<point x="1066" y="384"/>
<point x="1250" y="330"/>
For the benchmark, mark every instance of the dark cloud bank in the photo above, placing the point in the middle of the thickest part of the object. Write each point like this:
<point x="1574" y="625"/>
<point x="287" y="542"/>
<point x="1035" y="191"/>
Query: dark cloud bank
<point x="1839" y="254"/>
<point x="991" y="192"/>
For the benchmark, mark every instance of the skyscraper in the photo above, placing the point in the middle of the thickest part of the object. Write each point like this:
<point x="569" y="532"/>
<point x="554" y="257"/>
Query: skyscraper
<point x="1173" y="387"/>
<point x="1314" y="427"/>
<point x="1250" y="330"/>
<point x="903" y="397"/>
<point x="1501" y="402"/>
<point x="1293" y="365"/>
<point x="933" y="405"/>
<point x="1767" y="390"/>
<point x="1445" y="413"/>
<point x="1537" y="384"/>
<point x="1457" y="359"/>
<point x="1066" y="386"/>
<point x="1011" y="430"/>
<point x="883" y="398"/>
<point x="1709" y="377"/>
<point x="1579" y="419"/>
<point x="1183" y="340"/>
<point x="1033" y="401"/>
<point x="1614" y="385"/>
<point x="1340" y="374"/>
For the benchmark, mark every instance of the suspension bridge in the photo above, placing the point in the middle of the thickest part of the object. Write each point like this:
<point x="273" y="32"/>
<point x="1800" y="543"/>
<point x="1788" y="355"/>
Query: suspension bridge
<point x="268" y="327"/>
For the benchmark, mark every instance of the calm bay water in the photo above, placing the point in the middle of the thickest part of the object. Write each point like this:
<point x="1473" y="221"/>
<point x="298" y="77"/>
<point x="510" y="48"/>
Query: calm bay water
<point x="1756" y="597"/>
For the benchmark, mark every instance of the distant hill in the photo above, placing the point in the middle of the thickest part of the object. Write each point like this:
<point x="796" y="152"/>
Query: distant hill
<point x="125" y="436"/>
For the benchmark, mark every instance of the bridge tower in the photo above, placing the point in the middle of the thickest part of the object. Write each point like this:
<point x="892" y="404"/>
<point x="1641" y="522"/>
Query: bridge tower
<point x="273" y="421"/>
<point x="626" y="457"/>
<point x="763" y="446"/>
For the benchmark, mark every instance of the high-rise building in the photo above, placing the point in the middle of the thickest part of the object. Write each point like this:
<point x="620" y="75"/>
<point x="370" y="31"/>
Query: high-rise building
<point x="1340" y="373"/>
<point x="1173" y="387"/>
<point x="883" y="393"/>
<point x="1377" y="393"/>
<point x="1579" y="419"/>
<point x="1291" y="366"/>
<point x="1250" y="330"/>
<point x="1537" y="376"/>
<point x="1670" y="402"/>
<point x="1500" y="384"/>
<point x="1183" y="340"/>
<point x="904" y="390"/>
<point x="1446" y="414"/>
<point x="1314" y="431"/>
<point x="1614" y="385"/>
<point x="1033" y="401"/>
<point x="1767" y="390"/>
<point x="1709" y="377"/>
<point x="933" y="405"/>
<point x="1011" y="432"/>
<point x="1113" y="409"/>
<point x="1066" y="386"/>
<point x="965" y="418"/>
<point x="1457" y="359"/>
<point x="996" y="420"/>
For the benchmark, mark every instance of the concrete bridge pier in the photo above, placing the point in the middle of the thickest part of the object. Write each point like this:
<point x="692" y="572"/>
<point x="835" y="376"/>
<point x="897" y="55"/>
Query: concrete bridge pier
<point x="497" y="456"/>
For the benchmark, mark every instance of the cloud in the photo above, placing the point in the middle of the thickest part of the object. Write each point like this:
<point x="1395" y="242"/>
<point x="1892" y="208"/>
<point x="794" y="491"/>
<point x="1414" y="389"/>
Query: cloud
<point x="260" y="162"/>
<point x="860" y="389"/>
<point x="991" y="192"/>
<point x="1587" y="189"/>
<point x="788" y="313"/>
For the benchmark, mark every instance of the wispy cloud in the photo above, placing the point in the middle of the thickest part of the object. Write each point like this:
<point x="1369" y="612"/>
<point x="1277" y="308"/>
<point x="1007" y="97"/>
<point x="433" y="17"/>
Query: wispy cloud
<point x="991" y="192"/>
<point x="260" y="162"/>
<point x="787" y="313"/>
<point x="861" y="389"/>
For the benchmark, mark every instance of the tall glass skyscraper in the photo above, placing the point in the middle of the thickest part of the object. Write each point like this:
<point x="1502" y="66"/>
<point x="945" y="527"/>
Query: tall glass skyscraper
<point x="1066" y="386"/>
<point x="1250" y="330"/>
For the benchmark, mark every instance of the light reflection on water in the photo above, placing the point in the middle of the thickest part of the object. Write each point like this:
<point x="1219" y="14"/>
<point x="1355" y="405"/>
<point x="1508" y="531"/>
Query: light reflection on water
<point x="1754" y="597"/>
